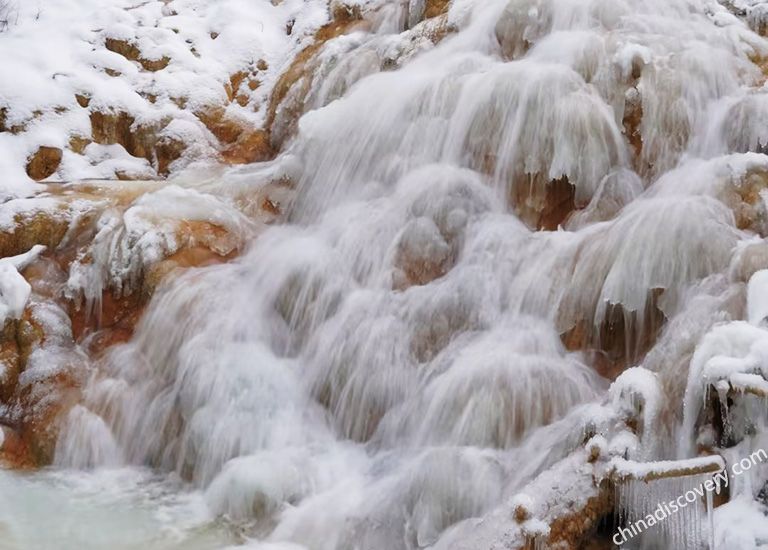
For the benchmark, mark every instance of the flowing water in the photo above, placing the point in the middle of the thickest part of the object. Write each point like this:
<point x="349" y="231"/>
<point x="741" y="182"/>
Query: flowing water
<point x="388" y="362"/>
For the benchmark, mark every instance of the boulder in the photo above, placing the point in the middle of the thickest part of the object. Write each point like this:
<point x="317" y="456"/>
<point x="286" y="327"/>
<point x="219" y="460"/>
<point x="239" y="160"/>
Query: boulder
<point x="44" y="163"/>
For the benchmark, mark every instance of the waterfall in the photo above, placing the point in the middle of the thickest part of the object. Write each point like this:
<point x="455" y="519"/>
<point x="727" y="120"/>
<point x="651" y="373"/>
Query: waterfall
<point x="480" y="234"/>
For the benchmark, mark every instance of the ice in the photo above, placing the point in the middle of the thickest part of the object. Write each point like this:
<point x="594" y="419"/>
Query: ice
<point x="14" y="289"/>
<point x="733" y="353"/>
<point x="120" y="509"/>
<point x="90" y="441"/>
<point x="129" y="243"/>
<point x="740" y="525"/>
<point x="686" y="528"/>
<point x="757" y="298"/>
<point x="404" y="355"/>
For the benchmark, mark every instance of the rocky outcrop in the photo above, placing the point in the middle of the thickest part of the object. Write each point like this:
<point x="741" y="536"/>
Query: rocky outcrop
<point x="35" y="227"/>
<point x="749" y="203"/>
<point x="242" y="143"/>
<point x="622" y="339"/>
<point x="131" y="52"/>
<point x="46" y="354"/>
<point x="139" y="140"/>
<point x="44" y="163"/>
<point x="559" y="202"/>
<point x="47" y="377"/>
<point x="286" y="104"/>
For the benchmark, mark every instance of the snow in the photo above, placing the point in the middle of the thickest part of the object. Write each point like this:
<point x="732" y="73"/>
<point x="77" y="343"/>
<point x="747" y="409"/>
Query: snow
<point x="731" y="355"/>
<point x="639" y="470"/>
<point x="632" y="55"/>
<point x="757" y="298"/>
<point x="741" y="525"/>
<point x="14" y="289"/>
<point x="754" y="382"/>
<point x="56" y="49"/>
<point x="638" y="389"/>
<point x="129" y="243"/>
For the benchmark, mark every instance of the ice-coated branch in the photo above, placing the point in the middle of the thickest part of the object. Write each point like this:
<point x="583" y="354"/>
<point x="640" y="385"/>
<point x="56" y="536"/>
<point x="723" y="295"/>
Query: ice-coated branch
<point x="624" y="470"/>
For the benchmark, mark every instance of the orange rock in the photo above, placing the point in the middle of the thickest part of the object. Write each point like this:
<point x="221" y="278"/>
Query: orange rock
<point x="542" y="205"/>
<point x="250" y="147"/>
<point x="44" y="163"/>
<point x="9" y="359"/>
<point x="13" y="452"/>
<point x="433" y="8"/>
<point x="83" y="100"/>
<point x="224" y="128"/>
<point x="127" y="49"/>
<point x="33" y="409"/>
<point x="286" y="104"/>
<point x="78" y="144"/>
<point x="619" y="342"/>
<point x="168" y="150"/>
<point x="558" y="204"/>
<point x="131" y="52"/>
<point x="39" y="229"/>
<point x="576" y="530"/>
<point x="50" y="399"/>
<point x="234" y="84"/>
<point x="633" y="116"/>
<point x="154" y="65"/>
<point x="113" y="322"/>
<point x="140" y="140"/>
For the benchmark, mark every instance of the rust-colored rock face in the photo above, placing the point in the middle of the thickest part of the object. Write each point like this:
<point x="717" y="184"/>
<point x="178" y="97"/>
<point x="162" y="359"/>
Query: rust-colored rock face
<point x="47" y="354"/>
<point x="433" y="8"/>
<point x="242" y="143"/>
<point x="40" y="228"/>
<point x="543" y="206"/>
<point x="235" y="81"/>
<point x="131" y="52"/>
<point x="576" y="530"/>
<point x="558" y="204"/>
<point x="123" y="47"/>
<point x="9" y="359"/>
<point x="113" y="323"/>
<point x="224" y="128"/>
<point x="252" y="146"/>
<point x="44" y="163"/>
<point x="35" y="404"/>
<point x="111" y="128"/>
<point x="749" y="207"/>
<point x="633" y="116"/>
<point x="154" y="65"/>
<point x="83" y="100"/>
<point x="618" y="342"/>
<point x="139" y="140"/>
<point x="286" y="104"/>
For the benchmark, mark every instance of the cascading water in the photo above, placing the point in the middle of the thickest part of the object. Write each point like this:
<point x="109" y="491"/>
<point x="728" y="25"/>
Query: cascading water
<point x="389" y="362"/>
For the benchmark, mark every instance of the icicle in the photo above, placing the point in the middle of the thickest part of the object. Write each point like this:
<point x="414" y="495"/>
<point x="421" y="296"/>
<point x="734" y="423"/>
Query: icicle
<point x="644" y="508"/>
<point x="711" y="520"/>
